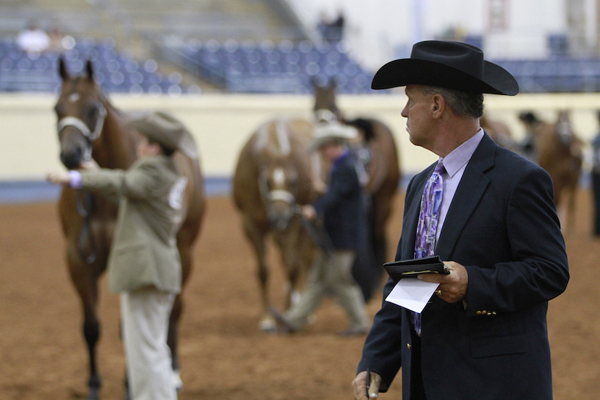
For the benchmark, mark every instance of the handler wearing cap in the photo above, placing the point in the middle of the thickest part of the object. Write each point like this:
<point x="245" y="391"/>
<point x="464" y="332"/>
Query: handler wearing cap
<point x="483" y="334"/>
<point x="342" y="209"/>
<point x="144" y="264"/>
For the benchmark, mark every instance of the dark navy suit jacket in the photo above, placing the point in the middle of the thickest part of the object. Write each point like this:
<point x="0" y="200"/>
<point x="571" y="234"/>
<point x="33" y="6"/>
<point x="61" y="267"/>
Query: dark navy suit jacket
<point x="342" y="206"/>
<point x="503" y="227"/>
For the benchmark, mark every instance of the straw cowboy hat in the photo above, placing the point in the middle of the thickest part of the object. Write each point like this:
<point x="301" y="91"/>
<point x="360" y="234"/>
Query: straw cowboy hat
<point x="166" y="130"/>
<point x="446" y="64"/>
<point x="331" y="131"/>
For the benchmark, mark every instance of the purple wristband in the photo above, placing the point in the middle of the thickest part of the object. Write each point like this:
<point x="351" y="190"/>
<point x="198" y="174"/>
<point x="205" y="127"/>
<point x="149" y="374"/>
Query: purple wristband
<point x="76" y="181"/>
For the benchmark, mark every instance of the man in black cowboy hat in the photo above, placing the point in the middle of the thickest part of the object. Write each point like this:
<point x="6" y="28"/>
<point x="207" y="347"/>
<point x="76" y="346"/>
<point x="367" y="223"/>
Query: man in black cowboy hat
<point x="488" y="213"/>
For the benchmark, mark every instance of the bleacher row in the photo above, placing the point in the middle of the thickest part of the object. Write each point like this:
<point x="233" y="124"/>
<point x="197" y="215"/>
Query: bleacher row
<point x="267" y="67"/>
<point x="116" y="72"/>
<point x="251" y="67"/>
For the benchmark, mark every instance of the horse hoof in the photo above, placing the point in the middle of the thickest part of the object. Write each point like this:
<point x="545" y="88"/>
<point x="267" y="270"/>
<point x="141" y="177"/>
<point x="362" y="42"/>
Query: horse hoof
<point x="177" y="382"/>
<point x="94" y="394"/>
<point x="268" y="326"/>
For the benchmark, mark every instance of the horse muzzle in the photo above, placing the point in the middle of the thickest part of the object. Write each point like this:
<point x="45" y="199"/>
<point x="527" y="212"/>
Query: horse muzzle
<point x="72" y="159"/>
<point x="280" y="219"/>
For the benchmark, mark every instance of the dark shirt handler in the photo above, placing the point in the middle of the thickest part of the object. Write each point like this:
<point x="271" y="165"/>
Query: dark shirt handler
<point x="484" y="333"/>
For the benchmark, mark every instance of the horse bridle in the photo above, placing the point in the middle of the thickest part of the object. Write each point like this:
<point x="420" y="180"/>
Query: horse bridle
<point x="85" y="202"/>
<point x="82" y="127"/>
<point x="269" y="196"/>
<point x="325" y="115"/>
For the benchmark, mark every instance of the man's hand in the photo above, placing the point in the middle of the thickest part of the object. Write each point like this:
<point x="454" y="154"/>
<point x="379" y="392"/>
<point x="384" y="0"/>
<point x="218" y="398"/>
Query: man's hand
<point x="309" y="212"/>
<point x="89" y="165"/>
<point x="360" y="386"/>
<point x="453" y="287"/>
<point x="59" y="178"/>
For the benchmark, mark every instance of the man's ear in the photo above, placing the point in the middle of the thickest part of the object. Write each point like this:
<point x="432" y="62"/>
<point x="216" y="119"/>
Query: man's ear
<point x="438" y="104"/>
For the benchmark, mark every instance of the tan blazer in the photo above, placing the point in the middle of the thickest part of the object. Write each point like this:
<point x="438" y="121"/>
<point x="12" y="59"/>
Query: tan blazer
<point x="144" y="249"/>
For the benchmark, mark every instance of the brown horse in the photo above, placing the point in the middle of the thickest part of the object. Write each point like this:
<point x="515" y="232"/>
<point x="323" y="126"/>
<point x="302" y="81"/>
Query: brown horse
<point x="499" y="132"/>
<point x="559" y="151"/>
<point x="89" y="126"/>
<point x="379" y="152"/>
<point x="272" y="178"/>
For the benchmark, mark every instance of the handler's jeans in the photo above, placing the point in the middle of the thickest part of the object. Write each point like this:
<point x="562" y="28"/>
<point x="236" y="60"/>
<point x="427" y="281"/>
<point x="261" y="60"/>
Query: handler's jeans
<point x="331" y="274"/>
<point x="145" y="315"/>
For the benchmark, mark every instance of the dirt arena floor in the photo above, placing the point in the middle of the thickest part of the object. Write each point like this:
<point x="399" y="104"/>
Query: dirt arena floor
<point x="223" y="354"/>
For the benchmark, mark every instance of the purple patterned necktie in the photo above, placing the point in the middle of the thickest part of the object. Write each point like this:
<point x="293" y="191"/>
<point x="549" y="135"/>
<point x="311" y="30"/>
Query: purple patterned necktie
<point x="431" y="202"/>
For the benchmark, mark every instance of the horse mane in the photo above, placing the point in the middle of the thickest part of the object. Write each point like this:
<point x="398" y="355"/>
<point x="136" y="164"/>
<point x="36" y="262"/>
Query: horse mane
<point x="365" y="125"/>
<point x="273" y="140"/>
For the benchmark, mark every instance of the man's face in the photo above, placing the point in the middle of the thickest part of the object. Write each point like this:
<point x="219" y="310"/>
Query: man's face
<point x="330" y="151"/>
<point x="418" y="112"/>
<point x="147" y="149"/>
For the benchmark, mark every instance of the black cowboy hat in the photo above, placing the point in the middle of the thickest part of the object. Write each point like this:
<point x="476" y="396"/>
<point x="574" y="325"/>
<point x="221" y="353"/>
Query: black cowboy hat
<point x="451" y="65"/>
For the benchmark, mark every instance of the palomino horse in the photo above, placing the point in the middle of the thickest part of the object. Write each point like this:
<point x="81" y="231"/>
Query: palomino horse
<point x="89" y="126"/>
<point x="559" y="151"/>
<point x="272" y="178"/>
<point x="499" y="132"/>
<point x="382" y="163"/>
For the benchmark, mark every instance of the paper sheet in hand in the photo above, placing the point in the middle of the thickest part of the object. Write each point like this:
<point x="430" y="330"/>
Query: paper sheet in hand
<point x="412" y="294"/>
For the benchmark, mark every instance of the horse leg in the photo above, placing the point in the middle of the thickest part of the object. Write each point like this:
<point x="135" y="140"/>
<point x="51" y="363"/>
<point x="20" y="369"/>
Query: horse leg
<point x="86" y="285"/>
<point x="289" y="244"/>
<point x="560" y="208"/>
<point x="571" y="210"/>
<point x="256" y="235"/>
<point x="172" y="341"/>
<point x="380" y="213"/>
<point x="185" y="253"/>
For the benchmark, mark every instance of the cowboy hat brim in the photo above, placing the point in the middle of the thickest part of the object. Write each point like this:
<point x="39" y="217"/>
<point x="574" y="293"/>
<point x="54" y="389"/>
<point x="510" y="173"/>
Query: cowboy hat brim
<point x="410" y="71"/>
<point x="329" y="132"/>
<point x="167" y="130"/>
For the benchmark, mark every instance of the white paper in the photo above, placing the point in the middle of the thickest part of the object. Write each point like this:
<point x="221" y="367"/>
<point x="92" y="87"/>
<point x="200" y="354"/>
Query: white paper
<point x="412" y="294"/>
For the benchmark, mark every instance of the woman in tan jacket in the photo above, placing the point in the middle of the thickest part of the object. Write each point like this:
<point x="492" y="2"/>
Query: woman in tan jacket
<point x="144" y="264"/>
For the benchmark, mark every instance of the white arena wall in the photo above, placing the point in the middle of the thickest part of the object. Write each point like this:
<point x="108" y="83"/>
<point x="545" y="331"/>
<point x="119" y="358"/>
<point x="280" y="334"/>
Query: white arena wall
<point x="222" y="123"/>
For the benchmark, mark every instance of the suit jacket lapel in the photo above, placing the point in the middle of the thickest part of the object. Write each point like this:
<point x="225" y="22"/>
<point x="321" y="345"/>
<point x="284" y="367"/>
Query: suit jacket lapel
<point x="468" y="194"/>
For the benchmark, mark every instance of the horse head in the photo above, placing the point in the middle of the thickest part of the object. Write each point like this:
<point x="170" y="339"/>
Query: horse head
<point x="564" y="129"/>
<point x="80" y="113"/>
<point x="279" y="182"/>
<point x="325" y="108"/>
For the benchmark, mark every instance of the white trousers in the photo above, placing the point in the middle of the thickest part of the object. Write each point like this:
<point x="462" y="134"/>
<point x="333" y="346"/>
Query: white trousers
<point x="145" y="318"/>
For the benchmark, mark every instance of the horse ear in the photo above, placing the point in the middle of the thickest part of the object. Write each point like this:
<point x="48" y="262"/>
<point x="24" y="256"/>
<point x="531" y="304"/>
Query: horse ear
<point x="62" y="68"/>
<point x="315" y="83"/>
<point x="333" y="83"/>
<point x="89" y="68"/>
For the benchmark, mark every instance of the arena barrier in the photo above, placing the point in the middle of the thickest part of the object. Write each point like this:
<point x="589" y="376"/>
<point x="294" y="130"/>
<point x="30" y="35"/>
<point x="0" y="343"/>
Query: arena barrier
<point x="221" y="123"/>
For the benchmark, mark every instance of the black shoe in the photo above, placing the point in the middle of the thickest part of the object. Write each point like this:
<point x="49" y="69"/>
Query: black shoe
<point x="354" y="331"/>
<point x="282" y="324"/>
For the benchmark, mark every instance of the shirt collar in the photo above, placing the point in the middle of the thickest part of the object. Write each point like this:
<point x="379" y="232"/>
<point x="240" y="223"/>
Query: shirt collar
<point x="339" y="160"/>
<point x="460" y="156"/>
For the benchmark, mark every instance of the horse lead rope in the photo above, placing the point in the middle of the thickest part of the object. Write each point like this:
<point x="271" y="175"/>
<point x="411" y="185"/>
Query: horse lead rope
<point x="85" y="202"/>
<point x="85" y="208"/>
<point x="316" y="232"/>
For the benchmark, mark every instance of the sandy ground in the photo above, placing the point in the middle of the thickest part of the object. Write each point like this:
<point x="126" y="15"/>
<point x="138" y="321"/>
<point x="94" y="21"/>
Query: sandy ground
<point x="223" y="354"/>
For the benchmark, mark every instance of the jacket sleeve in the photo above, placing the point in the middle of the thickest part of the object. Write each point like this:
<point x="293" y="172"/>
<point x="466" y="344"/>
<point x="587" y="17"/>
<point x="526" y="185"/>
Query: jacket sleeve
<point x="344" y="181"/>
<point x="137" y="183"/>
<point x="538" y="270"/>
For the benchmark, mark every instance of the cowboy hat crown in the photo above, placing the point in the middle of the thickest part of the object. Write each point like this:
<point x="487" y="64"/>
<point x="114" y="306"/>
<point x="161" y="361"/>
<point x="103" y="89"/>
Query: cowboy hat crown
<point x="446" y="64"/>
<point x="166" y="130"/>
<point x="327" y="132"/>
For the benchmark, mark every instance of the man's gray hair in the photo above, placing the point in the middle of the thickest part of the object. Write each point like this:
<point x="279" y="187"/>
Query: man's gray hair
<point x="463" y="104"/>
